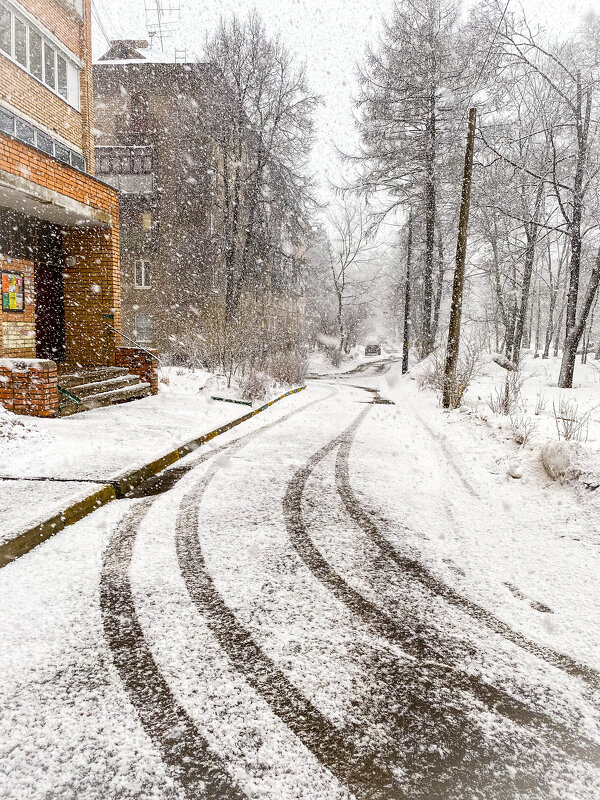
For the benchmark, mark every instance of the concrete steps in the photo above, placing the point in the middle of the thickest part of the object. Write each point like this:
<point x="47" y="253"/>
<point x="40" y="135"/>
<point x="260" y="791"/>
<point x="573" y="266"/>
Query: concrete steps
<point x="103" y="386"/>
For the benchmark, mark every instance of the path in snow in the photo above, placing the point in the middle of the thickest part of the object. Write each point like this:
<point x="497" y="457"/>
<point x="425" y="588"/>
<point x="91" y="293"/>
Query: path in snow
<point x="279" y="624"/>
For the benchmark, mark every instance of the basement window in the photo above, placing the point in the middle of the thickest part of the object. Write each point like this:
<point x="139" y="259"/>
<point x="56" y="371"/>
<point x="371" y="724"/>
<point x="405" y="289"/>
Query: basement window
<point x="143" y="328"/>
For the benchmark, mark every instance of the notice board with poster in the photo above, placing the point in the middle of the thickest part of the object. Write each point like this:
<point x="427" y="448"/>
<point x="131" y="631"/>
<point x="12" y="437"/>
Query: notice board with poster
<point x="13" y="291"/>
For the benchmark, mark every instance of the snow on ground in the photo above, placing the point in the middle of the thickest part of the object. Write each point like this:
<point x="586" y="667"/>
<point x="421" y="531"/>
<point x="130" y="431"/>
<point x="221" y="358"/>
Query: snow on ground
<point x="343" y="632"/>
<point x="328" y="610"/>
<point x="546" y="427"/>
<point x="100" y="444"/>
<point x="526" y="547"/>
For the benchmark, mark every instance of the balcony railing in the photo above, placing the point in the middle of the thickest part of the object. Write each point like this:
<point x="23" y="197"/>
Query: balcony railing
<point x="128" y="168"/>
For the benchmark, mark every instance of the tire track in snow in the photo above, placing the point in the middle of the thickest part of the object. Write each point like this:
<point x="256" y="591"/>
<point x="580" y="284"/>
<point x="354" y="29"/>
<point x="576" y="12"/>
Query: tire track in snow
<point x="182" y="747"/>
<point x="334" y="748"/>
<point x="416" y="643"/>
<point x="193" y="764"/>
<point x="557" y="659"/>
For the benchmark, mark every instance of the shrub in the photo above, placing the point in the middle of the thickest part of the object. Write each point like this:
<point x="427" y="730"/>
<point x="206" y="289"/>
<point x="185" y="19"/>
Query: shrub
<point x="288" y="367"/>
<point x="254" y="386"/>
<point x="507" y="399"/>
<point x="571" y="425"/>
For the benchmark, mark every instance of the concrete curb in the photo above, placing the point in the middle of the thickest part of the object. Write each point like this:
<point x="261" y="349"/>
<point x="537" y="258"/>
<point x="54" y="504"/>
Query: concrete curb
<point x="114" y="489"/>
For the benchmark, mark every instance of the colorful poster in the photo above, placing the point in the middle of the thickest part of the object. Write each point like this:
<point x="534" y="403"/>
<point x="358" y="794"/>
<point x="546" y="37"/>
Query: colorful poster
<point x="13" y="291"/>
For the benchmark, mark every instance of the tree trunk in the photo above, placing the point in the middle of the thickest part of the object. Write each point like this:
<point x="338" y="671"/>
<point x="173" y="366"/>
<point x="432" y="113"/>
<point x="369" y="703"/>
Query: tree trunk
<point x="522" y="314"/>
<point x="451" y="394"/>
<point x="567" y="367"/>
<point x="430" y="204"/>
<point x="406" y="331"/>
<point x="537" y="323"/>
<point x="439" y="286"/>
<point x="572" y="337"/>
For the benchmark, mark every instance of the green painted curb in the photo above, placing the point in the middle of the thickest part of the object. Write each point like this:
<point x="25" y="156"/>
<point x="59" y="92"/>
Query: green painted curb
<point x="24" y="542"/>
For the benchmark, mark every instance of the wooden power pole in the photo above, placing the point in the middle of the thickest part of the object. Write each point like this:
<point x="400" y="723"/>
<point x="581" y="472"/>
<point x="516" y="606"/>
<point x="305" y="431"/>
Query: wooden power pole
<point x="406" y="332"/>
<point x="450" y="397"/>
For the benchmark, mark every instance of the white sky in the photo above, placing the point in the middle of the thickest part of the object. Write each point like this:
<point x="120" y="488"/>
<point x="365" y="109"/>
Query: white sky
<point x="329" y="34"/>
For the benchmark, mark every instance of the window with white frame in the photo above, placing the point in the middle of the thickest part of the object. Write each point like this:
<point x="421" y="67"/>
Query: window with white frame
<point x="143" y="328"/>
<point x="26" y="44"/>
<point x="141" y="277"/>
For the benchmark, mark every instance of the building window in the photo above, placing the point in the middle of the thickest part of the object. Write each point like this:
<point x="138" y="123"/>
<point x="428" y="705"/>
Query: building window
<point x="142" y="274"/>
<point x="139" y="113"/>
<point x="5" y="31"/>
<point x="21" y="42"/>
<point x="28" y="47"/>
<point x="143" y="328"/>
<point x="146" y="221"/>
<point x="26" y="132"/>
<point x="35" y="54"/>
<point x="49" y="66"/>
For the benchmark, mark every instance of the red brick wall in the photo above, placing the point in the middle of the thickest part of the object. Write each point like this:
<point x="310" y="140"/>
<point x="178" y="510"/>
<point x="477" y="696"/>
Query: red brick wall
<point x="26" y="162"/>
<point x="138" y="362"/>
<point x="29" y="387"/>
<point x="18" y="329"/>
<point x="63" y="23"/>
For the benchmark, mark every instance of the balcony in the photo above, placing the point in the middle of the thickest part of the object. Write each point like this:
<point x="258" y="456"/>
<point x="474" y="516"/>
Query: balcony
<point x="129" y="168"/>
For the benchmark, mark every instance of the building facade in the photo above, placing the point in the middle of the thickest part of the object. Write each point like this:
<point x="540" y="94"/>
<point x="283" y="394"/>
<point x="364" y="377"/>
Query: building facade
<point x="161" y="132"/>
<point x="154" y="143"/>
<point x="59" y="225"/>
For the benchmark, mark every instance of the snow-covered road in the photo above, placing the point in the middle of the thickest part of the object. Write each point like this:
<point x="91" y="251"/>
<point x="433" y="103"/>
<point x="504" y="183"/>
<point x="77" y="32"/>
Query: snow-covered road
<point x="341" y="601"/>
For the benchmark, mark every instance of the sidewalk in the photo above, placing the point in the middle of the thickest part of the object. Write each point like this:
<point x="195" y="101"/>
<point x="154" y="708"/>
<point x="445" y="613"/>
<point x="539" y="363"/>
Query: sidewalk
<point x="49" y="464"/>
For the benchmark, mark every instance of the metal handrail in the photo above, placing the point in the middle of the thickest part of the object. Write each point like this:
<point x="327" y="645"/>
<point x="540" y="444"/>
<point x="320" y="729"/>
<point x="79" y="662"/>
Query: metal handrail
<point x="137" y="344"/>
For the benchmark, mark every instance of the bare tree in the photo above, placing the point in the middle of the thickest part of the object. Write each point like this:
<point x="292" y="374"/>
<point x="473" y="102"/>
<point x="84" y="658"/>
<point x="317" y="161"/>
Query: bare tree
<point x="413" y="91"/>
<point x="352" y="250"/>
<point x="571" y="73"/>
<point x="265" y="147"/>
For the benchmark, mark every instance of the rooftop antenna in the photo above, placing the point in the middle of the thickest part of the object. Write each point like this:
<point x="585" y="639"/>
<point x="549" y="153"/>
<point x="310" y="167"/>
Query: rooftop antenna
<point x="162" y="19"/>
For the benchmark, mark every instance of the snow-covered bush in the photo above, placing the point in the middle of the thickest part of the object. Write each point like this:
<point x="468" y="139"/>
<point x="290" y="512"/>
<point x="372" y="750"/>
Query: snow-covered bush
<point x="469" y="367"/>
<point x="571" y="424"/>
<point x="289" y="367"/>
<point x="254" y="386"/>
<point x="556" y="458"/>
<point x="522" y="428"/>
<point x="507" y="400"/>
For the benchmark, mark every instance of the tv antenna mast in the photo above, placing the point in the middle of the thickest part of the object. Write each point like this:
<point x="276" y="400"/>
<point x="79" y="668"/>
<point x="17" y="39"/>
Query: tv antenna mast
<point x="162" y="20"/>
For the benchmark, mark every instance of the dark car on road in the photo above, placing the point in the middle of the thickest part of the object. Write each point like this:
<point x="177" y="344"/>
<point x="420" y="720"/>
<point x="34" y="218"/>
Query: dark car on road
<point x="373" y="349"/>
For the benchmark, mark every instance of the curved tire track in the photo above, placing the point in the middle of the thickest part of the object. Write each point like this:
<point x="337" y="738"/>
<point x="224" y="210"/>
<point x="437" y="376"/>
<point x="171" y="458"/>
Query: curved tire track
<point x="420" y="573"/>
<point x="187" y="754"/>
<point x="332" y="747"/>
<point x="183" y="749"/>
<point x="416" y="642"/>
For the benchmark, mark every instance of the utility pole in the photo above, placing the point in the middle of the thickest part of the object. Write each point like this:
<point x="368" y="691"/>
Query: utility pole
<point x="406" y="332"/>
<point x="450" y="397"/>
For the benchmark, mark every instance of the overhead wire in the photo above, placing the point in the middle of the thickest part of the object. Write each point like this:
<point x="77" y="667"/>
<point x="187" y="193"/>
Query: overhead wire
<point x="99" y="22"/>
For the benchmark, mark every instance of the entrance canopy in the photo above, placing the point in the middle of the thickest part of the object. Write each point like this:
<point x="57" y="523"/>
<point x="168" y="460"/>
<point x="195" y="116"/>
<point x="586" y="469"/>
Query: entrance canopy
<point x="31" y="199"/>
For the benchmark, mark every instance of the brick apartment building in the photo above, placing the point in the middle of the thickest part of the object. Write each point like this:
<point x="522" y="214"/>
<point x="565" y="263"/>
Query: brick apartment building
<point x="59" y="225"/>
<point x="159" y="138"/>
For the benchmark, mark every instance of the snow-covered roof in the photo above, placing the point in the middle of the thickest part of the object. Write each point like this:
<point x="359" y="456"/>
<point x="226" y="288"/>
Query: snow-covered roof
<point x="125" y="51"/>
